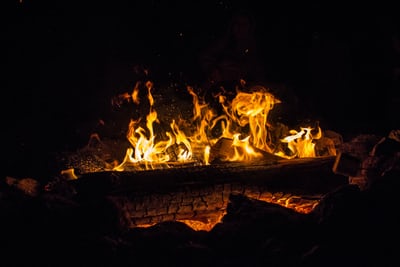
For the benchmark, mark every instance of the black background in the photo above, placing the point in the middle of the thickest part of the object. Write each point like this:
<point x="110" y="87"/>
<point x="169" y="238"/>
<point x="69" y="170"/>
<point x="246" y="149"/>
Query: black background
<point x="65" y="60"/>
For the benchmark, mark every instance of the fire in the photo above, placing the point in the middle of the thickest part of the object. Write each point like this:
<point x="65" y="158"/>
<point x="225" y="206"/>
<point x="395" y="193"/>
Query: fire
<point x="294" y="202"/>
<point x="145" y="149"/>
<point x="239" y="131"/>
<point x="252" y="109"/>
<point x="301" y="143"/>
<point x="244" y="121"/>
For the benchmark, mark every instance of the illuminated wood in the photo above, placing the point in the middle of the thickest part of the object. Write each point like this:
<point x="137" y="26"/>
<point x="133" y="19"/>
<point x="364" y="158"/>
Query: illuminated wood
<point x="201" y="192"/>
<point x="309" y="175"/>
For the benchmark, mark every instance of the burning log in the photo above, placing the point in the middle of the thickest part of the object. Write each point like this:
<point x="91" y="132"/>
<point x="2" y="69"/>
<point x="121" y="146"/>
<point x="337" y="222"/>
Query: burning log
<point x="224" y="149"/>
<point x="306" y="175"/>
<point x="201" y="208"/>
<point x="188" y="171"/>
<point x="201" y="193"/>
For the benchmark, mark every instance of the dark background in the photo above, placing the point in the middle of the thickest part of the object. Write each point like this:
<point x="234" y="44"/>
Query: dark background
<point x="64" y="61"/>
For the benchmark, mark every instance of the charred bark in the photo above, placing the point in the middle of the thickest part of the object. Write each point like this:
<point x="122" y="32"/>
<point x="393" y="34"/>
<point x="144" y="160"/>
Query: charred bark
<point x="206" y="204"/>
<point x="304" y="176"/>
<point x="201" y="193"/>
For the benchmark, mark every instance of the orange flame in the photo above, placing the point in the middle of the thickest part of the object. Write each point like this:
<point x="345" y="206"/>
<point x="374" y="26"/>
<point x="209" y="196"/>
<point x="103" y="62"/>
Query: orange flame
<point x="301" y="143"/>
<point x="244" y="121"/>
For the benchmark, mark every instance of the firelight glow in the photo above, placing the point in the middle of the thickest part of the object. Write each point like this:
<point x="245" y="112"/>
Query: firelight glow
<point x="244" y="121"/>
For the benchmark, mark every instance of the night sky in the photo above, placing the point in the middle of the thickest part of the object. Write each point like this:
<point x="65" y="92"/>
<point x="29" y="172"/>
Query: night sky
<point x="64" y="61"/>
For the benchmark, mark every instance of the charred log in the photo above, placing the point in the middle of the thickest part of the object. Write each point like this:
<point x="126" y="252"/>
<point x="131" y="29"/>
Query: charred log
<point x="305" y="176"/>
<point x="201" y="193"/>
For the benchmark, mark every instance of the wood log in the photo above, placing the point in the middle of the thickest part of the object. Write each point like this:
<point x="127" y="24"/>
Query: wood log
<point x="201" y="193"/>
<point x="304" y="176"/>
<point x="206" y="205"/>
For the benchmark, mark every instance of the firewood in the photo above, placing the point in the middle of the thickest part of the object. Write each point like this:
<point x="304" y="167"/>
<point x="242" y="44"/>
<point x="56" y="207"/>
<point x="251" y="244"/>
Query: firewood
<point x="201" y="193"/>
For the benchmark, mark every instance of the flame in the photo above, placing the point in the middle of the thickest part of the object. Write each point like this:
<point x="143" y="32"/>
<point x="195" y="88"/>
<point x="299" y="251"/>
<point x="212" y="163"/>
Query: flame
<point x="145" y="149"/>
<point x="252" y="109"/>
<point x="244" y="121"/>
<point x="69" y="174"/>
<point x="243" y="151"/>
<point x="135" y="94"/>
<point x="301" y="143"/>
<point x="207" y="155"/>
<point x="241" y="132"/>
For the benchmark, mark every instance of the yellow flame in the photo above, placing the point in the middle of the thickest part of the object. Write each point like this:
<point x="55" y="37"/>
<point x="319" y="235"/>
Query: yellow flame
<point x="207" y="155"/>
<point x="252" y="109"/>
<point x="242" y="149"/>
<point x="69" y="174"/>
<point x="246" y="115"/>
<point x="180" y="137"/>
<point x="301" y="143"/>
<point x="135" y="94"/>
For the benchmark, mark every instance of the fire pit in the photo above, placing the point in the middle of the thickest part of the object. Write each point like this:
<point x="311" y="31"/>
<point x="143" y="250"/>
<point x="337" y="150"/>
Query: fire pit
<point x="196" y="178"/>
<point x="278" y="204"/>
<point x="186" y="170"/>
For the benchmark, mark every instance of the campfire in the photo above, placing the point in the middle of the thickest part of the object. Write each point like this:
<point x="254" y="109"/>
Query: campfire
<point x="234" y="133"/>
<point x="108" y="164"/>
<point x="209" y="186"/>
<point x="265" y="207"/>
<point x="243" y="128"/>
<point x="239" y="130"/>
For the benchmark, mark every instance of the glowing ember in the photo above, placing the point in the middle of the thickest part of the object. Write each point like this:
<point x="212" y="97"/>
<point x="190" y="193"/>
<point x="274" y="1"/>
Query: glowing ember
<point x="69" y="174"/>
<point x="294" y="202"/>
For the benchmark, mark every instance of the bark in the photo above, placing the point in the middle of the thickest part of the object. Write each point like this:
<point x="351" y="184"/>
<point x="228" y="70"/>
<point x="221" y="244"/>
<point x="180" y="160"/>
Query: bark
<point x="201" y="193"/>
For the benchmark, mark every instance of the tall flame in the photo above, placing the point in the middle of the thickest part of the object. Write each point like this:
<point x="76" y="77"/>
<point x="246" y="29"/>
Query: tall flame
<point x="244" y="121"/>
<point x="253" y="109"/>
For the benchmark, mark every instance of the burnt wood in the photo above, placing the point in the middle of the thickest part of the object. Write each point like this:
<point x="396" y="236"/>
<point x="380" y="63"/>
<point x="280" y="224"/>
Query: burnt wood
<point x="206" y="204"/>
<point x="301" y="176"/>
<point x="201" y="193"/>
